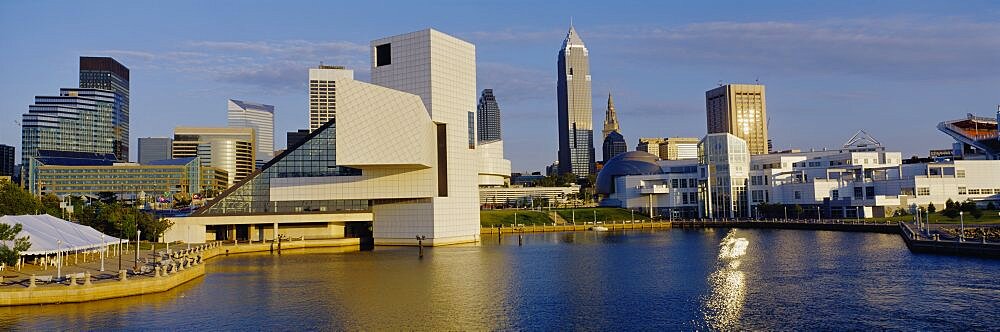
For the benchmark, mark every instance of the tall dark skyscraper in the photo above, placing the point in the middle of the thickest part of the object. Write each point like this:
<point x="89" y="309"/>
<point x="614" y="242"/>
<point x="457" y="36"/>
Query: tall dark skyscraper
<point x="107" y="74"/>
<point x="576" y="115"/>
<point x="6" y="160"/>
<point x="488" y="117"/>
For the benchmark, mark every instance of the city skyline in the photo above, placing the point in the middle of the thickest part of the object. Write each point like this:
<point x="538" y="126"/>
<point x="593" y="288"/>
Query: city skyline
<point x="181" y="74"/>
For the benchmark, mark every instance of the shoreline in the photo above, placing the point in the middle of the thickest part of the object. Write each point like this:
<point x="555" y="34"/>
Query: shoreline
<point x="76" y="291"/>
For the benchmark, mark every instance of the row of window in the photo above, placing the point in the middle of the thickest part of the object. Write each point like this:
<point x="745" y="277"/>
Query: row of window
<point x="683" y="183"/>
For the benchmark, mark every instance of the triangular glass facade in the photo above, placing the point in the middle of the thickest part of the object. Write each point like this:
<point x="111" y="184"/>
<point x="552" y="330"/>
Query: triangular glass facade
<point x="316" y="156"/>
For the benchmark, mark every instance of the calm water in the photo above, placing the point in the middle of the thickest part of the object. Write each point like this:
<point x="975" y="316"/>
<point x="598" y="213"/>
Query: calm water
<point x="676" y="279"/>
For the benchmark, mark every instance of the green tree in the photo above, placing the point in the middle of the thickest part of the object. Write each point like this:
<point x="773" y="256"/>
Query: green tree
<point x="931" y="208"/>
<point x="14" y="200"/>
<point x="12" y="246"/>
<point x="50" y="204"/>
<point x="798" y="211"/>
<point x="152" y="227"/>
<point x="107" y="197"/>
<point x="991" y="206"/>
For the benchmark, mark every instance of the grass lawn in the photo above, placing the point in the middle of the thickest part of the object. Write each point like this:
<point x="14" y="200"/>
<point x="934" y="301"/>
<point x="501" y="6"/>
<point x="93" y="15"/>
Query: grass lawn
<point x="492" y="218"/>
<point x="989" y="217"/>
<point x="603" y="214"/>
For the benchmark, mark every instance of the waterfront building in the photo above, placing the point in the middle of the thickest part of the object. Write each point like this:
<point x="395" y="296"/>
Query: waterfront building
<point x="155" y="148"/>
<point x="230" y="149"/>
<point x="294" y="137"/>
<point x="674" y="148"/>
<point x="526" y="196"/>
<point x="6" y="160"/>
<point x="323" y="93"/>
<point x="398" y="158"/>
<point x="88" y="174"/>
<point x="260" y="117"/>
<point x="614" y="144"/>
<point x="724" y="159"/>
<point x="107" y="74"/>
<point x="650" y="145"/>
<point x="576" y="129"/>
<point x="488" y="117"/>
<point x="77" y="120"/>
<point x="741" y="110"/>
<point x="975" y="137"/>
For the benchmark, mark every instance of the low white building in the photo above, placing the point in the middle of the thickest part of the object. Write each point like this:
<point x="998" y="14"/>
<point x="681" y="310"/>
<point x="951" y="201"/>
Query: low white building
<point x="497" y="196"/>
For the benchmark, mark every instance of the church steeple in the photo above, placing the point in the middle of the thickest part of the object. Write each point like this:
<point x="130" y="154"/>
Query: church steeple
<point x="611" y="118"/>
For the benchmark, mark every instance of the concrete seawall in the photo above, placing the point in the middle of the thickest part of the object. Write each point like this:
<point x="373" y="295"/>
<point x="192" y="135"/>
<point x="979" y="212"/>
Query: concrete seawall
<point x="82" y="291"/>
<point x="918" y="244"/>
<point x="841" y="226"/>
<point x="572" y="228"/>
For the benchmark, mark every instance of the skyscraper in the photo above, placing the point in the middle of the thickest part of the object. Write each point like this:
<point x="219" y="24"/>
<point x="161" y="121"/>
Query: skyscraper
<point x="488" y="118"/>
<point x="576" y="129"/>
<point x="741" y="110"/>
<point x="650" y="145"/>
<point x="614" y="144"/>
<point x="611" y="118"/>
<point x="154" y="149"/>
<point x="260" y="117"/>
<point x="323" y="93"/>
<point x="230" y="149"/>
<point x="107" y="74"/>
<point x="675" y="148"/>
<point x="6" y="160"/>
<point x="77" y="120"/>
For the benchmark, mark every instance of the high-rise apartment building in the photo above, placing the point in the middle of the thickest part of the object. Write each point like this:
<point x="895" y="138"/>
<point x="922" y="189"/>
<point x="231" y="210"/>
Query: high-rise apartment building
<point x="741" y="110"/>
<point x="230" y="149"/>
<point x="6" y="160"/>
<point x="576" y="119"/>
<point x="77" y="120"/>
<point x="488" y="117"/>
<point x="323" y="93"/>
<point x="260" y="117"/>
<point x="107" y="74"/>
<point x="676" y="148"/>
<point x="154" y="149"/>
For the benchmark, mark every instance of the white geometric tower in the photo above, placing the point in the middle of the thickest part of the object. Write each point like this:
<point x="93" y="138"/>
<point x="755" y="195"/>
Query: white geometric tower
<point x="260" y="117"/>
<point x="441" y="69"/>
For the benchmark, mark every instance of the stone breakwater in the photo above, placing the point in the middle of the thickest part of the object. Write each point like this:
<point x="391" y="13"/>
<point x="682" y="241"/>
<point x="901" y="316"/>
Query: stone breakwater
<point x="83" y="287"/>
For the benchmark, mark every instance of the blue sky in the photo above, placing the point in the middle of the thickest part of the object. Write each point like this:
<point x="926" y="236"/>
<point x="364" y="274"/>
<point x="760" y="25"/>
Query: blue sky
<point x="892" y="68"/>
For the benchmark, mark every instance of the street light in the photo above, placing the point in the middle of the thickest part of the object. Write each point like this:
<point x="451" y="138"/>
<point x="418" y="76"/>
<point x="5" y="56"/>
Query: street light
<point x="137" y="233"/>
<point x="103" y="251"/>
<point x="59" y="259"/>
<point x="961" y="220"/>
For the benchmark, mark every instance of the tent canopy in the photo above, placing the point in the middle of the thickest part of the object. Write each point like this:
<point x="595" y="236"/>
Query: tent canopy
<point x="49" y="235"/>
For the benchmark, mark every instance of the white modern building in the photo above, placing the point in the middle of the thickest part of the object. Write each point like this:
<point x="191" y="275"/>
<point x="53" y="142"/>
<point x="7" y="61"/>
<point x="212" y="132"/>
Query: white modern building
<point x="521" y="196"/>
<point x="398" y="157"/>
<point x="260" y="117"/>
<point x="860" y="179"/>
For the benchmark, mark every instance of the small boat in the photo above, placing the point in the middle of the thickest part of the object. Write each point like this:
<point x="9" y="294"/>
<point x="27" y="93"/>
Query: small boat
<point x="599" y="229"/>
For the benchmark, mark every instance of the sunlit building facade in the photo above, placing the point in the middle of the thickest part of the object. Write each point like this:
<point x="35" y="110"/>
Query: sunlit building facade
<point x="230" y="149"/>
<point x="77" y="120"/>
<point x="260" y="117"/>
<point x="107" y="74"/>
<point x="741" y="110"/>
<point x="323" y="93"/>
<point x="576" y="118"/>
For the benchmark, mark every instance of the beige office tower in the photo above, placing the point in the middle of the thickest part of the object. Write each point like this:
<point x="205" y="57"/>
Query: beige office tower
<point x="741" y="110"/>
<point x="441" y="69"/>
<point x="650" y="145"/>
<point x="323" y="93"/>
<point x="230" y="149"/>
<point x="676" y="148"/>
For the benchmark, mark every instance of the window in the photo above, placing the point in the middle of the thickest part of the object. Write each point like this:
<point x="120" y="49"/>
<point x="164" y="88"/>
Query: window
<point x="973" y="191"/>
<point x="472" y="130"/>
<point x="673" y="183"/>
<point x="859" y="193"/>
<point x="798" y="194"/>
<point x="383" y="55"/>
<point x="962" y="191"/>
<point x="691" y="183"/>
<point x="869" y="192"/>
<point x="835" y="194"/>
<point x="960" y="173"/>
<point x="923" y="191"/>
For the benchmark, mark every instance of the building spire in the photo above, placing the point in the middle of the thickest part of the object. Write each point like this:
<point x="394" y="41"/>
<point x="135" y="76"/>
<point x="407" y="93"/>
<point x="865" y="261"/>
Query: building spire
<point x="611" y="118"/>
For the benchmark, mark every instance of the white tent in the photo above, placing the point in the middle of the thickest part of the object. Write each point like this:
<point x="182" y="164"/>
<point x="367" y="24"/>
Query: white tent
<point x="49" y="235"/>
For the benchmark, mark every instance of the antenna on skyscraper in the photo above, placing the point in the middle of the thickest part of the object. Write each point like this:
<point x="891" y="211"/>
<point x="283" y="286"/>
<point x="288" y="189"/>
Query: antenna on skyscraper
<point x="756" y="80"/>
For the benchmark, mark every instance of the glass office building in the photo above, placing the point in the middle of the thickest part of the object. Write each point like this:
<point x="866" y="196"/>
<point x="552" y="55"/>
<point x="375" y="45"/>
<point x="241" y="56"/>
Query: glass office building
<point x="107" y="74"/>
<point x="488" y="117"/>
<point x="77" y="120"/>
<point x="576" y="119"/>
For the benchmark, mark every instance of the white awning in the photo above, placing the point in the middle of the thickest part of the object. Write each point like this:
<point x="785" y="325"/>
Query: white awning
<point x="49" y="235"/>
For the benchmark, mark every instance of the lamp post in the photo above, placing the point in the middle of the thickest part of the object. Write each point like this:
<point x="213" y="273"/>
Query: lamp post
<point x="420" y="243"/>
<point x="818" y="215"/>
<point x="59" y="259"/>
<point x="857" y="213"/>
<point x="137" y="233"/>
<point x="961" y="232"/>
<point x="104" y="248"/>
<point x="786" y="213"/>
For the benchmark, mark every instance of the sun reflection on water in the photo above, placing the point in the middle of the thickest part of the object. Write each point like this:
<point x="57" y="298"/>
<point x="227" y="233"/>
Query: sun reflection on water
<point x="727" y="284"/>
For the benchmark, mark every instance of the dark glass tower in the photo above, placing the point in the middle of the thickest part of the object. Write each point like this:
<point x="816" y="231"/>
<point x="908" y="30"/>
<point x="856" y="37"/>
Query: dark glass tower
<point x="107" y="74"/>
<point x="488" y="117"/>
<point x="576" y="119"/>
<point x="614" y="144"/>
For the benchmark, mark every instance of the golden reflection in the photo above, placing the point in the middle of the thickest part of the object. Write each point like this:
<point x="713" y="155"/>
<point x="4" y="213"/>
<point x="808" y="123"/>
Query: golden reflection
<point x="727" y="284"/>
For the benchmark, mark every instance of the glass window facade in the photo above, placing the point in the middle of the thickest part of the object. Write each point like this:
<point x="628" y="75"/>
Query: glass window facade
<point x="314" y="157"/>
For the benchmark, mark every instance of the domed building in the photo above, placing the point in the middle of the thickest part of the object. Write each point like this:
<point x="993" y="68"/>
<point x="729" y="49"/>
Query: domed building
<point x="628" y="163"/>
